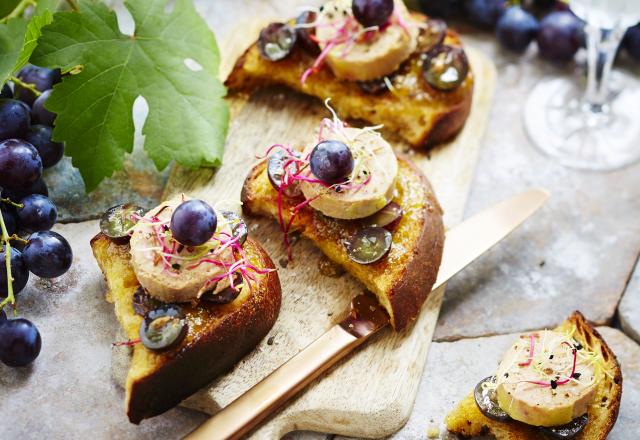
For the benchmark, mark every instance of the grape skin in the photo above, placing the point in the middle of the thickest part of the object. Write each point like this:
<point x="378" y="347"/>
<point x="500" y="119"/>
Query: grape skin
<point x="48" y="254"/>
<point x="14" y="118"/>
<point x="516" y="29"/>
<point x="37" y="214"/>
<point x="20" y="342"/>
<point x="19" y="272"/>
<point x="37" y="187"/>
<point x="193" y="222"/>
<point x="331" y="161"/>
<point x="40" y="137"/>
<point x="6" y="92"/>
<point x="20" y="164"/>
<point x="42" y="78"/>
<point x="39" y="114"/>
<point x="560" y="36"/>
<point x="372" y="12"/>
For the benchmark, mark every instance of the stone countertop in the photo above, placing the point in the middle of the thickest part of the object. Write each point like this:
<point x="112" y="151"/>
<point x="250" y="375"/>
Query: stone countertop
<point x="577" y="252"/>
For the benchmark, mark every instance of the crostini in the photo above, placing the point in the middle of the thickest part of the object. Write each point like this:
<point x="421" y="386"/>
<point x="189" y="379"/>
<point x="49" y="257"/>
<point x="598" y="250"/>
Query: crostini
<point x="192" y="293"/>
<point x="564" y="384"/>
<point x="371" y="212"/>
<point x="376" y="60"/>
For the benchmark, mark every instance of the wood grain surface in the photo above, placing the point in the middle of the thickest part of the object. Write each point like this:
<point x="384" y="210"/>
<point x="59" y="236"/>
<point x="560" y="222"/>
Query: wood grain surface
<point x="371" y="393"/>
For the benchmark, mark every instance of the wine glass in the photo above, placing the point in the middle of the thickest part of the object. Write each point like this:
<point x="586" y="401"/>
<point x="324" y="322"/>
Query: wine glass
<point x="597" y="126"/>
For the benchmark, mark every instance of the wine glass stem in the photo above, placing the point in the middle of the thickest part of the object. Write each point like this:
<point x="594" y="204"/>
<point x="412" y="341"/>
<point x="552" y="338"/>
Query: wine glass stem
<point x="602" y="46"/>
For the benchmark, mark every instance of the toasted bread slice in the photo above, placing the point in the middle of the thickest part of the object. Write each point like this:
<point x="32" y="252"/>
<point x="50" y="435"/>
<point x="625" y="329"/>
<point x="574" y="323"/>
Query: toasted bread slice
<point x="416" y="111"/>
<point x="403" y="278"/>
<point x="467" y="420"/>
<point x="219" y="335"/>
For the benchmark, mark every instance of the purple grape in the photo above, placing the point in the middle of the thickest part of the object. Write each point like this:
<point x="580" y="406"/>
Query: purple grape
<point x="14" y="118"/>
<point x="48" y="254"/>
<point x="441" y="8"/>
<point x="516" y="29"/>
<point x="632" y="42"/>
<point x="3" y="316"/>
<point x="39" y="114"/>
<point x="38" y="213"/>
<point x="6" y="92"/>
<point x="193" y="222"/>
<point x="40" y="137"/>
<point x="372" y="12"/>
<point x="20" y="164"/>
<point x="20" y="342"/>
<point x="11" y="223"/>
<point x="19" y="272"/>
<point x="37" y="187"/>
<point x="484" y="13"/>
<point x="560" y="36"/>
<point x="304" y="34"/>
<point x="42" y="78"/>
<point x="276" y="41"/>
<point x="331" y="161"/>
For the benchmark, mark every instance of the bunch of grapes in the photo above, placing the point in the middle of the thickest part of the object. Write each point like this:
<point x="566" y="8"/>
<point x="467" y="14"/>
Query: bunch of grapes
<point x="26" y="213"/>
<point x="558" y="33"/>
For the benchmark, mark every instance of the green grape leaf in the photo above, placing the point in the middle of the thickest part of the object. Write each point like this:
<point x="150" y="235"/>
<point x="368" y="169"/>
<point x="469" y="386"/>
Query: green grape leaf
<point x="188" y="118"/>
<point x="11" y="43"/>
<point x="33" y="32"/>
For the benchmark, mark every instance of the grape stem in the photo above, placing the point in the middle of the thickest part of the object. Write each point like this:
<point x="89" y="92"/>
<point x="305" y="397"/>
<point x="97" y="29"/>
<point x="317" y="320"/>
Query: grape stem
<point x="7" y="258"/>
<point x="18" y="10"/>
<point x="72" y="4"/>
<point x="17" y="81"/>
<point x="9" y="202"/>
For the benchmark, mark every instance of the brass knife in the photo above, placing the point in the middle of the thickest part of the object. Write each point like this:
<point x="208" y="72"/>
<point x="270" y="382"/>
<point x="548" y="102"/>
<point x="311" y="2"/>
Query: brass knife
<point x="463" y="244"/>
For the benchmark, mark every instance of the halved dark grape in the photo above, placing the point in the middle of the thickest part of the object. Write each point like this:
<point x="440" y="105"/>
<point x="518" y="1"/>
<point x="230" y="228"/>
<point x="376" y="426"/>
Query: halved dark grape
<point x="433" y="35"/>
<point x="372" y="12"/>
<point x="143" y="303"/>
<point x="487" y="402"/>
<point x="163" y="328"/>
<point x="445" y="68"/>
<point x="369" y="245"/>
<point x="385" y="216"/>
<point x="305" y="34"/>
<point x="20" y="342"/>
<point x="277" y="41"/>
<point x="238" y="226"/>
<point x="275" y="171"/>
<point x="117" y="221"/>
<point x="331" y="161"/>
<point x="19" y="272"/>
<point x="568" y="431"/>
<point x="193" y="222"/>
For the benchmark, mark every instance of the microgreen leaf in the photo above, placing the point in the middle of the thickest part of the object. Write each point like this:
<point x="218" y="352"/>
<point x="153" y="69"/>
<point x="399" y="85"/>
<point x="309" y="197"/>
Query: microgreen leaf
<point x="187" y="120"/>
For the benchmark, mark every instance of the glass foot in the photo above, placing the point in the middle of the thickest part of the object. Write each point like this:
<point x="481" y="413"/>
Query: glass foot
<point x="579" y="135"/>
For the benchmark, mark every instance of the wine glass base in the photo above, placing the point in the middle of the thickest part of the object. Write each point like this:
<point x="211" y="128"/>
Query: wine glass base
<point x="582" y="136"/>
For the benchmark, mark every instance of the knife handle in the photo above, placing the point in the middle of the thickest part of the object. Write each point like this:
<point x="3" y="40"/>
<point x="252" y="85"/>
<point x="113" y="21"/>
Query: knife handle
<point x="248" y="410"/>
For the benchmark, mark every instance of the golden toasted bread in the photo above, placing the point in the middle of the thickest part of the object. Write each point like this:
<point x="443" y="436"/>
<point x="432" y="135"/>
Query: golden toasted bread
<point x="218" y="337"/>
<point x="467" y="420"/>
<point x="403" y="278"/>
<point x="416" y="111"/>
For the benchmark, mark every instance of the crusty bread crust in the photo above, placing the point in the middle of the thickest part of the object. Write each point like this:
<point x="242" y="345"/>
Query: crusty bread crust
<point x="467" y="420"/>
<point x="401" y="280"/>
<point x="420" y="114"/>
<point x="219" y="335"/>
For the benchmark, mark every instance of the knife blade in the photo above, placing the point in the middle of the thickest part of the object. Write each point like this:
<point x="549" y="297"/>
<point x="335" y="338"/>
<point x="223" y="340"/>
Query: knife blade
<point x="463" y="244"/>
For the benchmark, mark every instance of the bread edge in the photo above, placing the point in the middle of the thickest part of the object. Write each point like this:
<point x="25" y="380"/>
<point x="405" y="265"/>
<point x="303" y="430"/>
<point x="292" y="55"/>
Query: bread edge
<point x="210" y="355"/>
<point x="408" y="294"/>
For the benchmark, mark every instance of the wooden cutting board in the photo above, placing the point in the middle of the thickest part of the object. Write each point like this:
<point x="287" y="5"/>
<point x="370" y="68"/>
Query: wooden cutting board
<point x="371" y="393"/>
